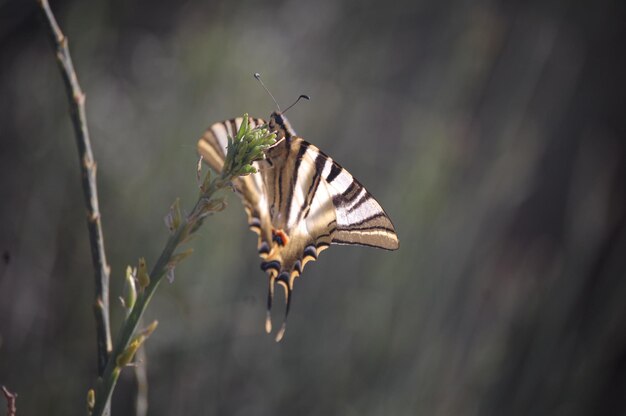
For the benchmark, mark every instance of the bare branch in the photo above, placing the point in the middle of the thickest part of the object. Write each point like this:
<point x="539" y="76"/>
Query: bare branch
<point x="11" y="409"/>
<point x="90" y="191"/>
<point x="141" y="373"/>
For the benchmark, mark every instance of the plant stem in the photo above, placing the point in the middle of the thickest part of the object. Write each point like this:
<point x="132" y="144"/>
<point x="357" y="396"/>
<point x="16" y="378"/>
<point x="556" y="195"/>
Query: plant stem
<point x="90" y="190"/>
<point x="160" y="269"/>
<point x="241" y="154"/>
<point x="141" y="375"/>
<point x="10" y="397"/>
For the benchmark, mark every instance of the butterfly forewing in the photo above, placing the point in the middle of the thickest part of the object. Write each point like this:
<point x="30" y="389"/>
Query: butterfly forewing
<point x="359" y="217"/>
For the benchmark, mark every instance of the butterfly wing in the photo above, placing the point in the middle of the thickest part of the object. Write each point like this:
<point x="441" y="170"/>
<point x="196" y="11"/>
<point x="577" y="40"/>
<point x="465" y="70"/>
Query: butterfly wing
<point x="360" y="218"/>
<point x="212" y="146"/>
<point x="322" y="203"/>
<point x="299" y="203"/>
<point x="313" y="202"/>
<point x="317" y="200"/>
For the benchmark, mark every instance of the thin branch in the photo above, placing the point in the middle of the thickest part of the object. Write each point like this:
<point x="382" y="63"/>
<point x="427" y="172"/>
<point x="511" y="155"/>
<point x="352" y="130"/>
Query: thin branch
<point x="90" y="190"/>
<point x="141" y="373"/>
<point x="160" y="269"/>
<point x="11" y="409"/>
<point x="244" y="149"/>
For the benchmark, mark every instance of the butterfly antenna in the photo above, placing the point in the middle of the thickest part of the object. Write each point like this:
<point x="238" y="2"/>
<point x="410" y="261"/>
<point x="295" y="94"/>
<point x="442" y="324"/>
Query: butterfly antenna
<point x="270" y="296"/>
<point x="258" y="78"/>
<point x="306" y="97"/>
<point x="281" y="331"/>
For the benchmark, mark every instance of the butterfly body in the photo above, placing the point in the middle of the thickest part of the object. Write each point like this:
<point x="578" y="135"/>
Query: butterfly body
<point x="299" y="203"/>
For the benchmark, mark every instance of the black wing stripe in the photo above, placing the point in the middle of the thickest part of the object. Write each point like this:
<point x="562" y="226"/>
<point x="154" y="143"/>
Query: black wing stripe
<point x="335" y="170"/>
<point x="279" y="184"/>
<point x="294" y="177"/>
<point x="338" y="241"/>
<point x="332" y="227"/>
<point x="352" y="192"/>
<point x="371" y="228"/>
<point x="328" y="234"/>
<point x="360" y="202"/>
<point x="320" y="162"/>
<point x="349" y="195"/>
<point x="365" y="220"/>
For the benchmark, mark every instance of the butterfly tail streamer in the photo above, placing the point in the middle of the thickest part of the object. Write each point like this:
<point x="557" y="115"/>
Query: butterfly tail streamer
<point x="281" y="332"/>
<point x="270" y="297"/>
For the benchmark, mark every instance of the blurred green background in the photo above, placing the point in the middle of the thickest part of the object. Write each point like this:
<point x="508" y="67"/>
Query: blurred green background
<point x="491" y="132"/>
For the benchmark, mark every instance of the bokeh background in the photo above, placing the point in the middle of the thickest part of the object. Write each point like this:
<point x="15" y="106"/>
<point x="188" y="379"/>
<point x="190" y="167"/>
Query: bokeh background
<point x="492" y="133"/>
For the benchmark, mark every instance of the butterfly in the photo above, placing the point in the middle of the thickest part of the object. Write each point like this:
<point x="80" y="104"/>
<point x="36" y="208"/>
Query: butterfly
<point x="299" y="202"/>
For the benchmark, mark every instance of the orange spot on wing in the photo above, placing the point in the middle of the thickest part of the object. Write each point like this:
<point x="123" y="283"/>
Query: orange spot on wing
<point x="280" y="237"/>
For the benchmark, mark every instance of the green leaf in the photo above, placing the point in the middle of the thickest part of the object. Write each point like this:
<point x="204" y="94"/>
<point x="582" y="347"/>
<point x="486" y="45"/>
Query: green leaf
<point x="243" y="129"/>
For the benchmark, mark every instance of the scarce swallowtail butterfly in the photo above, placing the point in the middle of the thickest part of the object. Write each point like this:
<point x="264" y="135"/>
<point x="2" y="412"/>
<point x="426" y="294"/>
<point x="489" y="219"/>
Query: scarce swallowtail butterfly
<point x="299" y="203"/>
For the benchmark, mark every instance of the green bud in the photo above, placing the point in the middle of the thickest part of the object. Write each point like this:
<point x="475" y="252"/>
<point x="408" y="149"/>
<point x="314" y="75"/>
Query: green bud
<point x="243" y="129"/>
<point x="247" y="170"/>
<point x="149" y="329"/>
<point x="130" y="295"/>
<point x="247" y="147"/>
<point x="142" y="274"/>
<point x="127" y="356"/>
<point x="91" y="400"/>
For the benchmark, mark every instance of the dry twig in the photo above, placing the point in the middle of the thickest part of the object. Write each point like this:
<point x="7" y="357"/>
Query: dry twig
<point x="141" y="373"/>
<point x="11" y="409"/>
<point x="88" y="174"/>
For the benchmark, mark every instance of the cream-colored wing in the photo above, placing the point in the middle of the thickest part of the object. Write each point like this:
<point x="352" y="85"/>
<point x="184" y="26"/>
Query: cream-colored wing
<point x="212" y="146"/>
<point x="313" y="202"/>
